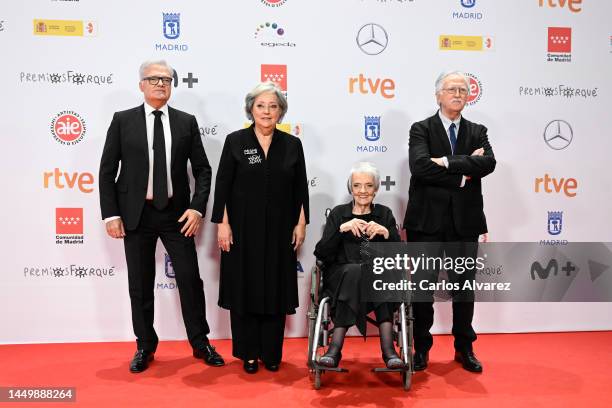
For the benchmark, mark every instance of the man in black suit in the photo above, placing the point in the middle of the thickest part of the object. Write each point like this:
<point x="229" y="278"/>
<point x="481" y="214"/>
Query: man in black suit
<point x="448" y="157"/>
<point x="150" y="199"/>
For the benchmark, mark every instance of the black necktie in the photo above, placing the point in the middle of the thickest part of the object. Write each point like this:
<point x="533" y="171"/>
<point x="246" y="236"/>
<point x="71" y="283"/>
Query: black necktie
<point x="160" y="176"/>
<point x="453" y="137"/>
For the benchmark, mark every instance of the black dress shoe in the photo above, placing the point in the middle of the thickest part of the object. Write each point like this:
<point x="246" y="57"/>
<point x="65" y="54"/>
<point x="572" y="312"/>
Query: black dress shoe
<point x="420" y="360"/>
<point x="252" y="367"/>
<point x="141" y="360"/>
<point x="271" y="367"/>
<point x="209" y="355"/>
<point x="469" y="361"/>
<point x="330" y="359"/>
<point x="393" y="361"/>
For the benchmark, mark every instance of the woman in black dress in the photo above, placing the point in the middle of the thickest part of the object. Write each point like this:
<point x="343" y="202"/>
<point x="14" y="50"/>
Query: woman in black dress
<point x="261" y="207"/>
<point x="347" y="229"/>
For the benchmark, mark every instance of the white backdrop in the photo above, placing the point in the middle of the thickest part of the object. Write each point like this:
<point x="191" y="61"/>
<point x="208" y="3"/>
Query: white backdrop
<point x="54" y="292"/>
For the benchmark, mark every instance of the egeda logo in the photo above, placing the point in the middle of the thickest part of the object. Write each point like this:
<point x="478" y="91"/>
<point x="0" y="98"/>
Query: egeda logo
<point x="371" y="133"/>
<point x="171" y="29"/>
<point x="272" y="35"/>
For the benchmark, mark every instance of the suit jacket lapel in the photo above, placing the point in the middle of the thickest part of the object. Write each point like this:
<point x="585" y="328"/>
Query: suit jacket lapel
<point x="141" y="133"/>
<point x="462" y="138"/>
<point x="439" y="131"/>
<point x="174" y="129"/>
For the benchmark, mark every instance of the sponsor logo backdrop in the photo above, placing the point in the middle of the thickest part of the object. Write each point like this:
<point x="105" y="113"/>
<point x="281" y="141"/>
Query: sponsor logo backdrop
<point x="357" y="74"/>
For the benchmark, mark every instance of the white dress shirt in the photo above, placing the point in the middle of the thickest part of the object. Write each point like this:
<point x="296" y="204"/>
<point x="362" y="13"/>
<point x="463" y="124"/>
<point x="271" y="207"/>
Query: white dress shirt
<point x="150" y="119"/>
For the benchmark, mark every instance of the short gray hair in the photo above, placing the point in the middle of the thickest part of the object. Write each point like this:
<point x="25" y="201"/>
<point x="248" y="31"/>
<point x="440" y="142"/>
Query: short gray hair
<point x="442" y="77"/>
<point x="363" y="167"/>
<point x="147" y="64"/>
<point x="262" y="88"/>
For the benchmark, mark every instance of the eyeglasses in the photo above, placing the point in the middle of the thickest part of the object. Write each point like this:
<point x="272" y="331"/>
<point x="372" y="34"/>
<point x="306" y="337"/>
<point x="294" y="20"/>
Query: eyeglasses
<point x="454" y="90"/>
<point x="155" y="80"/>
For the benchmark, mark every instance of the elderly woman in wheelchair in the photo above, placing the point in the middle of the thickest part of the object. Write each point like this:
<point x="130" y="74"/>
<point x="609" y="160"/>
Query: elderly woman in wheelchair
<point x="348" y="228"/>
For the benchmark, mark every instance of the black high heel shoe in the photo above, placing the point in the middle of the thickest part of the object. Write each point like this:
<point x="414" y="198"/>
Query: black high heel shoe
<point x="330" y="359"/>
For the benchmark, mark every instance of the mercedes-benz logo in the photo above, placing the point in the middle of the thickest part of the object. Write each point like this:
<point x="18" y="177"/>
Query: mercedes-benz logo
<point x="558" y="134"/>
<point x="372" y="39"/>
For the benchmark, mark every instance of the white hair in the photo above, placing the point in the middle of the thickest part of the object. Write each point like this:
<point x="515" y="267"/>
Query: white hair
<point x="147" y="64"/>
<point x="366" y="168"/>
<point x="442" y="77"/>
<point x="261" y="88"/>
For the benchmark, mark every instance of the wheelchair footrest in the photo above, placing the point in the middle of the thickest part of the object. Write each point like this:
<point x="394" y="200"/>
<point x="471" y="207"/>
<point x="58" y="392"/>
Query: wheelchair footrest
<point x="336" y="369"/>
<point x="390" y="370"/>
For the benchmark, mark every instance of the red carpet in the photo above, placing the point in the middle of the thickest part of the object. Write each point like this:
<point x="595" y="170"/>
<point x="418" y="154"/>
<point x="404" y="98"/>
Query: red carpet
<point x="520" y="370"/>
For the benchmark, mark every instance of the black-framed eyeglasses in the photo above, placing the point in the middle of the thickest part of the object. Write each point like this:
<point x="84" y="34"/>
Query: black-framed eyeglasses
<point x="155" y="80"/>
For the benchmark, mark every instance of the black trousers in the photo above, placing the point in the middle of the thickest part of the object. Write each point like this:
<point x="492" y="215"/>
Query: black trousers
<point x="463" y="301"/>
<point x="257" y="336"/>
<point x="140" y="256"/>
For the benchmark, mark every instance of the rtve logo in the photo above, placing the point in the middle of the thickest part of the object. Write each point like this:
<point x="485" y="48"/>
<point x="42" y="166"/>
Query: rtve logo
<point x="386" y="87"/>
<point x="62" y="180"/>
<point x="575" y="6"/>
<point x="549" y="185"/>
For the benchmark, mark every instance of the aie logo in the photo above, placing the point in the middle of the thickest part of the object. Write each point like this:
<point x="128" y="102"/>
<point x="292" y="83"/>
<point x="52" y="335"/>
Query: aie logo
<point x="555" y="222"/>
<point x="372" y="39"/>
<point x="552" y="266"/>
<point x="475" y="90"/>
<point x="68" y="127"/>
<point x="372" y="128"/>
<point x="558" y="134"/>
<point x="273" y="3"/>
<point x="172" y="25"/>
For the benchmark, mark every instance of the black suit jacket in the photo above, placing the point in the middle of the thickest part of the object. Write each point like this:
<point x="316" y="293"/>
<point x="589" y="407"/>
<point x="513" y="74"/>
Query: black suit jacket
<point x="126" y="143"/>
<point x="435" y="189"/>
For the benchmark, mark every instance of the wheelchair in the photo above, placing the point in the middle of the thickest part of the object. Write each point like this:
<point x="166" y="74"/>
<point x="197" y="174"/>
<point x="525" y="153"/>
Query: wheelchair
<point x="320" y="330"/>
